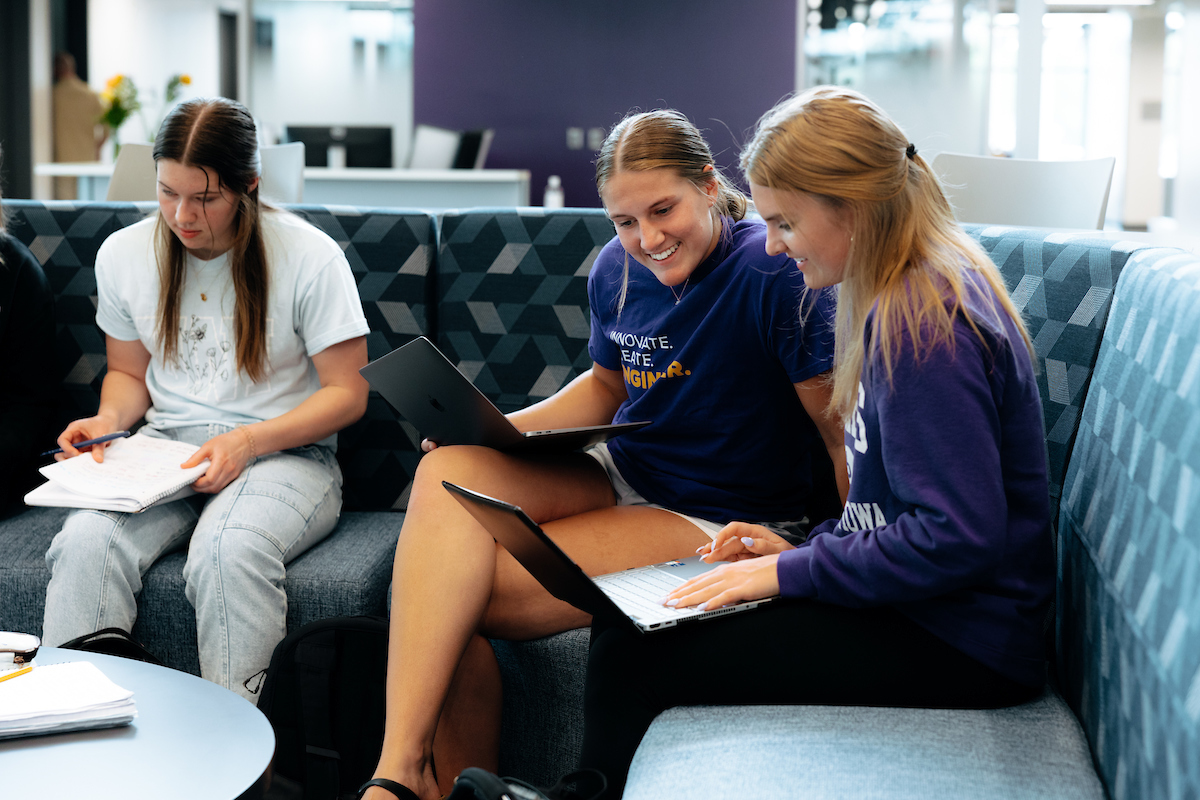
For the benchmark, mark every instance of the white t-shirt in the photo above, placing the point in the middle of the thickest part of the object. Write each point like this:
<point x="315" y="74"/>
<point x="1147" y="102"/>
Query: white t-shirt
<point x="313" y="304"/>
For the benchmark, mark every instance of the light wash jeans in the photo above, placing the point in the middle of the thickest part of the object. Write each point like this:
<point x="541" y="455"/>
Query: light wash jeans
<point x="241" y="538"/>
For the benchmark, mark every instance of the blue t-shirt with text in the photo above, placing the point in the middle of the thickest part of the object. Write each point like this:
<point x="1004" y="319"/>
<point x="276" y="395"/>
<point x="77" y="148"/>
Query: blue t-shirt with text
<point x="715" y="373"/>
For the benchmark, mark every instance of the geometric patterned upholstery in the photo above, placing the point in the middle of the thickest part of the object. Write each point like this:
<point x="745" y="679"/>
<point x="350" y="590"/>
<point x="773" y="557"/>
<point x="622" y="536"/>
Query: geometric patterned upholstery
<point x="391" y="253"/>
<point x="1129" y="526"/>
<point x="512" y="290"/>
<point x="1062" y="283"/>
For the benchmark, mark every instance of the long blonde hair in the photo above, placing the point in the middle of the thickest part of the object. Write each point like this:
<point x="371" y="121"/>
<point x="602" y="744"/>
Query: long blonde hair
<point x="906" y="253"/>
<point x="219" y="134"/>
<point x="666" y="139"/>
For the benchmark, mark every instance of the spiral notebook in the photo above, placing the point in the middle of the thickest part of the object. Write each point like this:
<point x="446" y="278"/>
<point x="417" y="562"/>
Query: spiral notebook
<point x="136" y="473"/>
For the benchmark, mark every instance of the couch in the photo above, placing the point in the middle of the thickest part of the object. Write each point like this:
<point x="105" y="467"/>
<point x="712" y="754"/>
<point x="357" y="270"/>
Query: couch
<point x="1116" y="326"/>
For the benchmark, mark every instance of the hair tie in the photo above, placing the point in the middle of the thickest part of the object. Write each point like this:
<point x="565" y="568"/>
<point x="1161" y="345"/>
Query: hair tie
<point x="911" y="150"/>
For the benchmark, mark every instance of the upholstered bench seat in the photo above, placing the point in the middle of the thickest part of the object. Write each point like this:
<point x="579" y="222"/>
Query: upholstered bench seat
<point x="1035" y="750"/>
<point x="347" y="574"/>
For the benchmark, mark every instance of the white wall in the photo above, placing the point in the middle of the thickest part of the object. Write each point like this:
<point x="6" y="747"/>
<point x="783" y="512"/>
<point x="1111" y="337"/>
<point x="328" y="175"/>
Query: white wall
<point x="1187" y="184"/>
<point x="1143" y="186"/>
<point x="315" y="74"/>
<point x="41" y="105"/>
<point x="151" y="40"/>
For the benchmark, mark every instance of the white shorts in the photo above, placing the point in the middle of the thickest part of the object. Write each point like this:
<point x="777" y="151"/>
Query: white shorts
<point x="794" y="532"/>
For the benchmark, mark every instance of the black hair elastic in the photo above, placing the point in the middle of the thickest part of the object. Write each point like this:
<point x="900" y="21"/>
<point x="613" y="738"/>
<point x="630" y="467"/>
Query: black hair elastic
<point x="911" y="150"/>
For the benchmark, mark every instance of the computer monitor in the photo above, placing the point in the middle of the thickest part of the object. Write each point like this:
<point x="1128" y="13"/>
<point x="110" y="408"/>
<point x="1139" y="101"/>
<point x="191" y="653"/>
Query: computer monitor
<point x="473" y="149"/>
<point x="364" y="146"/>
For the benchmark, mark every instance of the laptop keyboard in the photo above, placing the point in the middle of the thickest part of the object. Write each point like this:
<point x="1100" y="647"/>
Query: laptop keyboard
<point x="639" y="593"/>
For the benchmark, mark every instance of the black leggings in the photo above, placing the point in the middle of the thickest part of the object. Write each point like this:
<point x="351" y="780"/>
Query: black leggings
<point x="793" y="652"/>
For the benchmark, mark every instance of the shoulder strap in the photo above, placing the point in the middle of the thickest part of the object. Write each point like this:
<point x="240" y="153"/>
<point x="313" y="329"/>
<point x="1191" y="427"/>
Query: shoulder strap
<point x="315" y="659"/>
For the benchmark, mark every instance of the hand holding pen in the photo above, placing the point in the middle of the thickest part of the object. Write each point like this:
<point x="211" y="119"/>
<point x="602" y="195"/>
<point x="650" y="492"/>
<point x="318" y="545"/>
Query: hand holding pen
<point x="60" y="452"/>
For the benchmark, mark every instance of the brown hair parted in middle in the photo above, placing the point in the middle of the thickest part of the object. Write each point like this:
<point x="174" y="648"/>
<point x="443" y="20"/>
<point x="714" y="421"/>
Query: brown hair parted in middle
<point x="220" y="135"/>
<point x="665" y="139"/>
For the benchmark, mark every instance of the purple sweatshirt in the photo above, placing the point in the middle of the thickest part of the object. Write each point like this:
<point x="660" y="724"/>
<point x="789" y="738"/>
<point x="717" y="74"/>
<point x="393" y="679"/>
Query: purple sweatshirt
<point x="948" y="517"/>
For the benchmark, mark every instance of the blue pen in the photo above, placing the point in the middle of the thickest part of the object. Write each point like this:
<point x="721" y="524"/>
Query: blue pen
<point x="106" y="438"/>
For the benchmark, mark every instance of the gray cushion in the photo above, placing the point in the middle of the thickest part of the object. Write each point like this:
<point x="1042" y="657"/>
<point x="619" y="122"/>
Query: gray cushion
<point x="347" y="574"/>
<point x="543" y="705"/>
<point x="1034" y="750"/>
<point x="1130" y="531"/>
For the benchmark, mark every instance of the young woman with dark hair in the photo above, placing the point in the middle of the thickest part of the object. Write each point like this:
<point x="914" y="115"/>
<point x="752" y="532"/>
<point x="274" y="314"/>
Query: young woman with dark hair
<point x="237" y="328"/>
<point x="932" y="587"/>
<point x="695" y="328"/>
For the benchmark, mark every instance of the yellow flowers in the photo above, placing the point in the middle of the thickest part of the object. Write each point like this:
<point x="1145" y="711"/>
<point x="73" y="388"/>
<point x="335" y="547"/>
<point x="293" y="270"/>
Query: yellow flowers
<point x="121" y="95"/>
<point x="174" y="84"/>
<point x="121" y="98"/>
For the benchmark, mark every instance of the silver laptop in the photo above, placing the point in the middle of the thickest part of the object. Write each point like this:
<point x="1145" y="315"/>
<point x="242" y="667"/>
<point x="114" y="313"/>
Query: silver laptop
<point x="423" y="385"/>
<point x="634" y="595"/>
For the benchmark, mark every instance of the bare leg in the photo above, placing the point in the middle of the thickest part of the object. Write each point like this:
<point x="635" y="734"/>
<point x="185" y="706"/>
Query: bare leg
<point x="468" y="733"/>
<point x="452" y="582"/>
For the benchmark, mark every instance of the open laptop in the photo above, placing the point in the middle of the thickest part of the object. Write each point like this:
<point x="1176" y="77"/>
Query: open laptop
<point x="423" y="385"/>
<point x="633" y="595"/>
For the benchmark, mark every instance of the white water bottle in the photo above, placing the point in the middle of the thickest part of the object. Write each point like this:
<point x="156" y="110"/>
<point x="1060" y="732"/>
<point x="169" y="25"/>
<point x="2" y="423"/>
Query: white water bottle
<point x="553" y="197"/>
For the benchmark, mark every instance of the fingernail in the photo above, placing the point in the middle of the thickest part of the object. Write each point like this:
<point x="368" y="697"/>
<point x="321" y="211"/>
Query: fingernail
<point x="702" y="607"/>
<point x="701" y="547"/>
<point x="673" y="603"/>
<point x="746" y="540"/>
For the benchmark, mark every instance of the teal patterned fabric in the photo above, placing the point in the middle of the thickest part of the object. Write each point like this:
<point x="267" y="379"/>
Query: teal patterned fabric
<point x="1129" y="622"/>
<point x="512" y="288"/>
<point x="1062" y="283"/>
<point x="390" y="251"/>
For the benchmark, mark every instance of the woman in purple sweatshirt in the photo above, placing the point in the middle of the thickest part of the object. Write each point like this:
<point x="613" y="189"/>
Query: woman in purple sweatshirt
<point x="932" y="588"/>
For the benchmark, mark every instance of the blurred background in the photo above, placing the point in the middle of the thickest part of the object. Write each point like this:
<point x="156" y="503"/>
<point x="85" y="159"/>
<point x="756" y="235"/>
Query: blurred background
<point x="546" y="78"/>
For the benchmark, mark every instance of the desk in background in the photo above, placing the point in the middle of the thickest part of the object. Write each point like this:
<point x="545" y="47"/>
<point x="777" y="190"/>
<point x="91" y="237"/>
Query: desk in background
<point x="91" y="177"/>
<point x="191" y="740"/>
<point x="432" y="189"/>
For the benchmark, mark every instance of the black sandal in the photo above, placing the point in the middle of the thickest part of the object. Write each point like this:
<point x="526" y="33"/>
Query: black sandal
<point x="401" y="791"/>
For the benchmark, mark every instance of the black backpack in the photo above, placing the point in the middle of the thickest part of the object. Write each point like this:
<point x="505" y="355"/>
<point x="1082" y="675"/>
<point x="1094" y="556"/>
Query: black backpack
<point x="113" y="642"/>
<point x="324" y="694"/>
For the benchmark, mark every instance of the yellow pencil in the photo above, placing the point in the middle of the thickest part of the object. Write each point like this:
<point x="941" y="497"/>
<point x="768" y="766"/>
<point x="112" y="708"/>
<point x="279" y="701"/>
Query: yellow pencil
<point x="8" y="675"/>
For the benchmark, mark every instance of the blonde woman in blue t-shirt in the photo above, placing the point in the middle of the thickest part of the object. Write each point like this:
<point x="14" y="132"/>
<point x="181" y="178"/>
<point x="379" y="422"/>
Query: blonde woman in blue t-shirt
<point x="237" y="328"/>
<point x="693" y="327"/>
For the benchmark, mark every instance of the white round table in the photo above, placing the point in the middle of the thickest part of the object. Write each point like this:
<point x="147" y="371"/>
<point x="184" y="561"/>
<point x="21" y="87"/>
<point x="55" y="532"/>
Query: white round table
<point x="191" y="739"/>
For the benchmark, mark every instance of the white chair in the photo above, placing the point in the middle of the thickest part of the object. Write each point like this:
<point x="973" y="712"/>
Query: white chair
<point x="433" y="148"/>
<point x="1027" y="192"/>
<point x="282" y="172"/>
<point x="133" y="176"/>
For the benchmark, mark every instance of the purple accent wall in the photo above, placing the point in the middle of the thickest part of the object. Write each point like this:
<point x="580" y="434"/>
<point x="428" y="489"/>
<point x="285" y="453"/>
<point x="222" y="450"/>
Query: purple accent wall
<point x="532" y="68"/>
